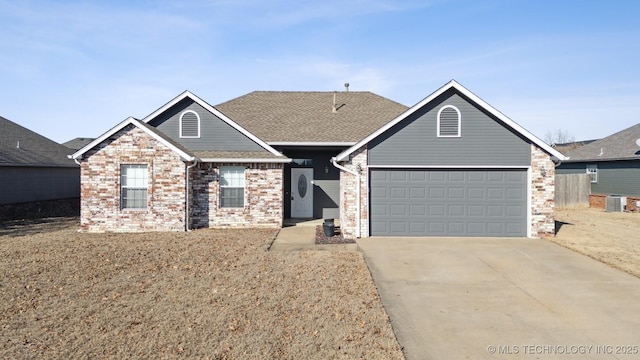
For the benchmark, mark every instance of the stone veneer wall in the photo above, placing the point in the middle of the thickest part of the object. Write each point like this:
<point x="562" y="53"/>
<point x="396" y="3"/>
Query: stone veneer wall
<point x="348" y="196"/>
<point x="263" y="197"/>
<point x="542" y="193"/>
<point x="100" y="185"/>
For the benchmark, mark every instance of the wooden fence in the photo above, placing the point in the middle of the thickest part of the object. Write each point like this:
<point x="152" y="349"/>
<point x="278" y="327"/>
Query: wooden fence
<point x="572" y="189"/>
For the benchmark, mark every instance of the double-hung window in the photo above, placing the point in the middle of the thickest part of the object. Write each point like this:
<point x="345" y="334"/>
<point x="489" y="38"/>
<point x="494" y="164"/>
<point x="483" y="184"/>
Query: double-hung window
<point x="232" y="186"/>
<point x="592" y="171"/>
<point x="134" y="182"/>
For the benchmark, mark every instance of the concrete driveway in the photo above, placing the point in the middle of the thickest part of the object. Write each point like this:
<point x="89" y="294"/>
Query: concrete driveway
<point x="480" y="298"/>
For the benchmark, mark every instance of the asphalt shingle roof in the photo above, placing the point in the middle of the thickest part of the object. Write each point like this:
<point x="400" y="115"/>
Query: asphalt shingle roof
<point x="299" y="116"/>
<point x="20" y="146"/>
<point x="619" y="146"/>
<point x="78" y="143"/>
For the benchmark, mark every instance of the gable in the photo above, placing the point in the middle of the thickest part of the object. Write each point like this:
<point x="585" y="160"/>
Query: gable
<point x="214" y="133"/>
<point x="377" y="137"/>
<point x="482" y="140"/>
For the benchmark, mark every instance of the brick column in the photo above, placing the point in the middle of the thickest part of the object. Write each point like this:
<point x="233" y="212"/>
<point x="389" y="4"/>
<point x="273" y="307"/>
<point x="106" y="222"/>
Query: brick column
<point x="542" y="193"/>
<point x="349" y="199"/>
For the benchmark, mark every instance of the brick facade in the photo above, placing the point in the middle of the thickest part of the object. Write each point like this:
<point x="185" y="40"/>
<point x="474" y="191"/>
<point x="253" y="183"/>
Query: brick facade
<point x="100" y="185"/>
<point x="542" y="193"/>
<point x="599" y="201"/>
<point x="100" y="192"/>
<point x="263" y="199"/>
<point x="349" y="196"/>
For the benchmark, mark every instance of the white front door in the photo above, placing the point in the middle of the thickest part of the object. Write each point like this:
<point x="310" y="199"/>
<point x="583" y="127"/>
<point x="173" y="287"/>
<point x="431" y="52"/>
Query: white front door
<point x="301" y="193"/>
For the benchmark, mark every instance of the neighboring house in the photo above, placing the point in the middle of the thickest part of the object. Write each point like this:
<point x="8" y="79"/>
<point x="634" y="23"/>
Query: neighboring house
<point x="566" y="148"/>
<point x="613" y="164"/>
<point x="451" y="165"/>
<point x="34" y="168"/>
<point x="78" y="143"/>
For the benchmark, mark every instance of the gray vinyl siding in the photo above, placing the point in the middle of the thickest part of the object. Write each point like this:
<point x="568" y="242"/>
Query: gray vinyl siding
<point x="614" y="177"/>
<point x="215" y="134"/>
<point x="29" y="184"/>
<point x="484" y="141"/>
<point x="326" y="187"/>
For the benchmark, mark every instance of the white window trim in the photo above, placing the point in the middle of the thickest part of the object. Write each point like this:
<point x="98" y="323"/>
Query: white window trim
<point x="593" y="173"/>
<point x="180" y="130"/>
<point x="244" y="188"/>
<point x="459" y="121"/>
<point x="122" y="187"/>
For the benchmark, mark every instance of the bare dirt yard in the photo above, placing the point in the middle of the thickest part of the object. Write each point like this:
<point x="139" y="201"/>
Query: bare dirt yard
<point x="612" y="238"/>
<point x="215" y="294"/>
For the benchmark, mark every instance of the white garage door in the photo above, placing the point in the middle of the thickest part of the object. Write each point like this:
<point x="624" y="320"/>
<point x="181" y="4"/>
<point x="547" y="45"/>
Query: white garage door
<point x="448" y="202"/>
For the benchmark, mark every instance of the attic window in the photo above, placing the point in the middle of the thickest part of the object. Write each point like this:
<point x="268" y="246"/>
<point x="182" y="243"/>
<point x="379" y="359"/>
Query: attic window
<point x="449" y="119"/>
<point x="189" y="124"/>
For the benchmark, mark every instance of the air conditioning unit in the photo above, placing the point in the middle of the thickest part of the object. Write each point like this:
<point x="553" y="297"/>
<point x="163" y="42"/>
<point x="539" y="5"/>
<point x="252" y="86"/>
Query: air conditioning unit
<point x="616" y="203"/>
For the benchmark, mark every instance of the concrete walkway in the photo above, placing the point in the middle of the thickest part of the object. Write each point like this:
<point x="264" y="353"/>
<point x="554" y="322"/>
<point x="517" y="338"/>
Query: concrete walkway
<point x="300" y="235"/>
<point x="503" y="299"/>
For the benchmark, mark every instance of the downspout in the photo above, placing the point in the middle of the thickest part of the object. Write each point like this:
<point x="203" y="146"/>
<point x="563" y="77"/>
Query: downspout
<point x="186" y="213"/>
<point x="358" y="196"/>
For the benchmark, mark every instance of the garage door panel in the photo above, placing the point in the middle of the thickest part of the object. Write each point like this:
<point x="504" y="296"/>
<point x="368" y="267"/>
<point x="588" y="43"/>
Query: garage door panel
<point x="418" y="193"/>
<point x="379" y="210"/>
<point x="436" y="192"/>
<point x="417" y="227"/>
<point x="495" y="194"/>
<point x="455" y="210"/>
<point x="475" y="193"/>
<point x="495" y="210"/>
<point x="475" y="228"/>
<point x="418" y="210"/>
<point x="434" y="176"/>
<point x="475" y="210"/>
<point x="398" y="210"/>
<point x="436" y="209"/>
<point x="455" y="228"/>
<point x="398" y="227"/>
<point x="456" y="193"/>
<point x="448" y="202"/>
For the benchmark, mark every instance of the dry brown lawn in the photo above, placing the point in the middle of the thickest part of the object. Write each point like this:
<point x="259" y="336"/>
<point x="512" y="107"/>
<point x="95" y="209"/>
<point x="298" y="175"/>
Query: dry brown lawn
<point x="213" y="294"/>
<point x="612" y="238"/>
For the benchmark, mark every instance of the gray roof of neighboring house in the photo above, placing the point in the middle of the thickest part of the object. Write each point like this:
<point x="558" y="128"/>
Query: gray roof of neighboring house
<point x="20" y="146"/>
<point x="619" y="146"/>
<point x="78" y="143"/>
<point x="301" y="116"/>
<point x="568" y="147"/>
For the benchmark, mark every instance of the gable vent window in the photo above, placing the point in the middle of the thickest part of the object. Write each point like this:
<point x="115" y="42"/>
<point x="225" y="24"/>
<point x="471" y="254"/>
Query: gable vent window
<point x="449" y="119"/>
<point x="189" y="124"/>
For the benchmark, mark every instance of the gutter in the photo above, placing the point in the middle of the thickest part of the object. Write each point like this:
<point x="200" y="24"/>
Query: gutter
<point x="358" y="195"/>
<point x="186" y="186"/>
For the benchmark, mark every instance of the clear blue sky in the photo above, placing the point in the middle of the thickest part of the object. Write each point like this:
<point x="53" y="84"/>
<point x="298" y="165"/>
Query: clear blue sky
<point x="77" y="68"/>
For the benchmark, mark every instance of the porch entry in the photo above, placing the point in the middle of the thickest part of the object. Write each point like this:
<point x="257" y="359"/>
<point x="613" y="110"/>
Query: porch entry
<point x="301" y="193"/>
